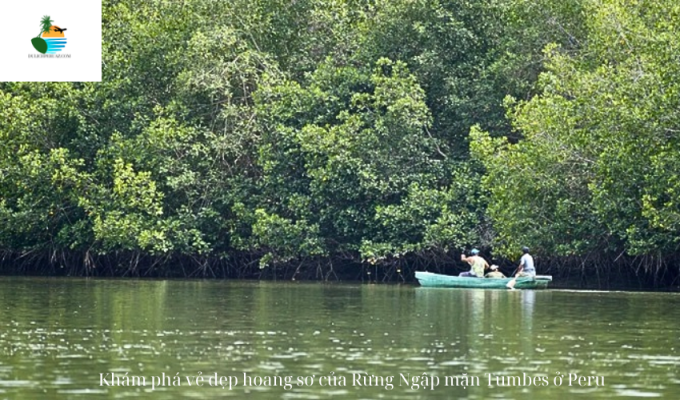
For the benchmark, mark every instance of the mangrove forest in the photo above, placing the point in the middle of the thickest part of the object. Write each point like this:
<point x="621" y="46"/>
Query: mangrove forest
<point x="353" y="139"/>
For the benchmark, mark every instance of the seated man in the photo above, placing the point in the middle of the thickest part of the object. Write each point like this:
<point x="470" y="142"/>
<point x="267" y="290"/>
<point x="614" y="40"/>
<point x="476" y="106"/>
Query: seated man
<point x="526" y="268"/>
<point x="495" y="273"/>
<point x="477" y="263"/>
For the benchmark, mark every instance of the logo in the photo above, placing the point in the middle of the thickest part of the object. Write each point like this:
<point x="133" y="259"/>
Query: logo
<point x="41" y="49"/>
<point x="51" y="38"/>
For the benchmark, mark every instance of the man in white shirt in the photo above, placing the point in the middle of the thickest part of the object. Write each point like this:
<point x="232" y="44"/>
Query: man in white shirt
<point x="526" y="268"/>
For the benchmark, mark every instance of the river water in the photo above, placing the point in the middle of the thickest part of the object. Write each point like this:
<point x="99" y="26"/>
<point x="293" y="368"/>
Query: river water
<point x="78" y="338"/>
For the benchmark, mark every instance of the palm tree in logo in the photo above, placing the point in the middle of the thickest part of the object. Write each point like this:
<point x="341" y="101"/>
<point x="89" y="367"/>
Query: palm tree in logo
<point x="39" y="43"/>
<point x="46" y="23"/>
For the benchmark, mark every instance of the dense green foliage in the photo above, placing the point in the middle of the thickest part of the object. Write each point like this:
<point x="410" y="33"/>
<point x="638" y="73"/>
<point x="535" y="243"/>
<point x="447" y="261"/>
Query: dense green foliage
<point x="271" y="132"/>
<point x="597" y="169"/>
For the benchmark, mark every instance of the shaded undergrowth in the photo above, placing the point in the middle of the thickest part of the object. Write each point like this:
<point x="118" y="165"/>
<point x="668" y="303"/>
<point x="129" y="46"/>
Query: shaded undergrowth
<point x="595" y="272"/>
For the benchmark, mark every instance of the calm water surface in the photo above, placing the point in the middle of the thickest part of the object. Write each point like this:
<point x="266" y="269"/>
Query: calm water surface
<point x="58" y="335"/>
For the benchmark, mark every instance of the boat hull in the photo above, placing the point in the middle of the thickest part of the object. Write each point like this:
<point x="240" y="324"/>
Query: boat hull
<point x="428" y="279"/>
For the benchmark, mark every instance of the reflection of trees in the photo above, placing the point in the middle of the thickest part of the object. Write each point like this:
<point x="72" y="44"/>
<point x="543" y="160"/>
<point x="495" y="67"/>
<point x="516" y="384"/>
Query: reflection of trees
<point x="51" y="328"/>
<point x="482" y="328"/>
<point x="75" y="328"/>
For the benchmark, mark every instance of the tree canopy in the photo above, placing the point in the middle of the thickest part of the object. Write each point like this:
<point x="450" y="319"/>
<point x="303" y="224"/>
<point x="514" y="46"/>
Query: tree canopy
<point x="378" y="132"/>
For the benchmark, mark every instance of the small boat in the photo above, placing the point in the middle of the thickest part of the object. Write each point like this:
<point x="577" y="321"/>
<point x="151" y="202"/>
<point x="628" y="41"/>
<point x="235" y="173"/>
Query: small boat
<point x="428" y="279"/>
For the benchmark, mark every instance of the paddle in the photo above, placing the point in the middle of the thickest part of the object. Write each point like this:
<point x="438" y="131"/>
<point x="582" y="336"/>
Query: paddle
<point x="463" y="256"/>
<point x="511" y="285"/>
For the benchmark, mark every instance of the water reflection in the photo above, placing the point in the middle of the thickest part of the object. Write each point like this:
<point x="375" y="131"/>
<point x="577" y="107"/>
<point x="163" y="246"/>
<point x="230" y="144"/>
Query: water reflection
<point x="58" y="335"/>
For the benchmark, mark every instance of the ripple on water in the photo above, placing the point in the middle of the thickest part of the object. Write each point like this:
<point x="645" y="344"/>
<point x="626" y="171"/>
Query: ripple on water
<point x="82" y="391"/>
<point x="656" y="359"/>
<point x="453" y="363"/>
<point x="482" y="335"/>
<point x="636" y="393"/>
<point x="17" y="383"/>
<point x="289" y="356"/>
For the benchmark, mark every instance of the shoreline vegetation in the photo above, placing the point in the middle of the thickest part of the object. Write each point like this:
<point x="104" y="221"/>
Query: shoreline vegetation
<point x="354" y="140"/>
<point x="629" y="274"/>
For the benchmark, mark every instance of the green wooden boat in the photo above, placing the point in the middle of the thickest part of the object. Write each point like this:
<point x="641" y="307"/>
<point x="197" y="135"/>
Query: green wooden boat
<point x="428" y="279"/>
